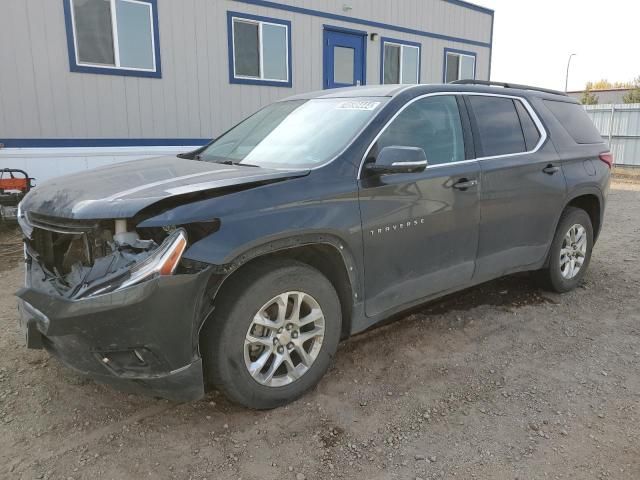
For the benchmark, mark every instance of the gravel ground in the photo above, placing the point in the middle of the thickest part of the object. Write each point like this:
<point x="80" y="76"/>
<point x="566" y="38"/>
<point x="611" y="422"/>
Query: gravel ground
<point x="501" y="381"/>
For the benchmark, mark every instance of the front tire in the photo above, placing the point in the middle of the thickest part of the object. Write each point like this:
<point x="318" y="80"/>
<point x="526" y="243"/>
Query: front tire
<point x="570" y="251"/>
<point x="273" y="333"/>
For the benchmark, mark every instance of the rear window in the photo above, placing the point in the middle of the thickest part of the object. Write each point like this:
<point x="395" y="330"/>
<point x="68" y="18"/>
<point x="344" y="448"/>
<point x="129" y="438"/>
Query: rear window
<point x="575" y="121"/>
<point x="531" y="132"/>
<point x="498" y="125"/>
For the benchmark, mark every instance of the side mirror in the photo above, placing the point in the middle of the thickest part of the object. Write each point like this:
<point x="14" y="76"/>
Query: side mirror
<point x="396" y="159"/>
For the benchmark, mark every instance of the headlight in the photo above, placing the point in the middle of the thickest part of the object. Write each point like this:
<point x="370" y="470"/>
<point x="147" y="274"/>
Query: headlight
<point x="162" y="261"/>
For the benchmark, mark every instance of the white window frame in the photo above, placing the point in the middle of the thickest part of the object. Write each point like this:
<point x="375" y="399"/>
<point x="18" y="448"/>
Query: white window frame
<point x="402" y="48"/>
<point x="459" y="75"/>
<point x="116" y="45"/>
<point x="260" y="24"/>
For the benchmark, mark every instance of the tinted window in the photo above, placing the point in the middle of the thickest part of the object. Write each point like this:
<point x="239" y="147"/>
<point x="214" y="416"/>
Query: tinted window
<point x="498" y="125"/>
<point x="432" y="124"/>
<point x="391" y="64"/>
<point x="575" y="121"/>
<point x="531" y="133"/>
<point x="246" y="49"/>
<point x="453" y="67"/>
<point x="94" y="33"/>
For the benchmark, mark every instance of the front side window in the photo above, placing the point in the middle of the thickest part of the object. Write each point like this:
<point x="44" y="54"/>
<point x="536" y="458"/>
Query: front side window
<point x="459" y="65"/>
<point x="294" y="133"/>
<point x="431" y="123"/>
<point x="400" y="62"/>
<point x="113" y="37"/>
<point x="259" y="50"/>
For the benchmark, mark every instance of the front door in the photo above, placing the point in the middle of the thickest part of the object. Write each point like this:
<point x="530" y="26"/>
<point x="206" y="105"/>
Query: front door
<point x="420" y="230"/>
<point x="344" y="58"/>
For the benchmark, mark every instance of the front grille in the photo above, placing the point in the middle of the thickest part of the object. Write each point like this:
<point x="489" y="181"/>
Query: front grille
<point x="61" y="225"/>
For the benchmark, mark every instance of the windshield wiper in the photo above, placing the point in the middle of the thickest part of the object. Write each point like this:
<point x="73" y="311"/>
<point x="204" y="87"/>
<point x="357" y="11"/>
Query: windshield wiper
<point x="231" y="162"/>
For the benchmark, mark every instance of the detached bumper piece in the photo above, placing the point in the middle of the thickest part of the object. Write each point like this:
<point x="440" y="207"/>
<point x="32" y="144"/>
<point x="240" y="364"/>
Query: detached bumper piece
<point x="141" y="339"/>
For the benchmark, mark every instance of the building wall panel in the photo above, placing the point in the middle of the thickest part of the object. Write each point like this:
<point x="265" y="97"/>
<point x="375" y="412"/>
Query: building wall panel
<point x="40" y="98"/>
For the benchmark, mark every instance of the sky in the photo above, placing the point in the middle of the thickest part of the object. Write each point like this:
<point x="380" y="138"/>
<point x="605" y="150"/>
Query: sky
<point x="534" y="38"/>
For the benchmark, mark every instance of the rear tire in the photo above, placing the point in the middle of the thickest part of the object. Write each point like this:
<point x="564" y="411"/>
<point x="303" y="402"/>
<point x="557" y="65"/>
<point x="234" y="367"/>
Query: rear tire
<point x="570" y="251"/>
<point x="254" y="326"/>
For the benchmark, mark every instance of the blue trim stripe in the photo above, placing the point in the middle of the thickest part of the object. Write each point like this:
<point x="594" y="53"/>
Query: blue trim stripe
<point x="257" y="81"/>
<point x="101" y="142"/>
<point x="384" y="40"/>
<point x="361" y="21"/>
<point x="71" y="48"/>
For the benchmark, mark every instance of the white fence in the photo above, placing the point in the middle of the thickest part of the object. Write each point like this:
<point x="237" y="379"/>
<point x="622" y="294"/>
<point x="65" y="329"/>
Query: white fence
<point x="619" y="125"/>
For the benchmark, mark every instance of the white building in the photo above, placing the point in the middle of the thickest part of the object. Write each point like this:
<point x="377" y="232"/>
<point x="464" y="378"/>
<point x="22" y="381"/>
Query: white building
<point x="89" y="82"/>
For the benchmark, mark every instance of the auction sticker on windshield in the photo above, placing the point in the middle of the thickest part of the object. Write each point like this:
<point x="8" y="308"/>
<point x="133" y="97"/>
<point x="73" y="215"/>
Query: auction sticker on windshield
<point x="357" y="105"/>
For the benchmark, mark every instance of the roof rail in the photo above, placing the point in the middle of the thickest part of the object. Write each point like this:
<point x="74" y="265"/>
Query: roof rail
<point x="507" y="85"/>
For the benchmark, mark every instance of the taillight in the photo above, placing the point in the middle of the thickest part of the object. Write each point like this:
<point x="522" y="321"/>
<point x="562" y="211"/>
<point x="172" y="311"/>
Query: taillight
<point x="607" y="158"/>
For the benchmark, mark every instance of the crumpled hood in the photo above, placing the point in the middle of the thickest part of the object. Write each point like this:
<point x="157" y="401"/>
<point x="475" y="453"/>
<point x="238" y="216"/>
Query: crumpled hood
<point x="122" y="190"/>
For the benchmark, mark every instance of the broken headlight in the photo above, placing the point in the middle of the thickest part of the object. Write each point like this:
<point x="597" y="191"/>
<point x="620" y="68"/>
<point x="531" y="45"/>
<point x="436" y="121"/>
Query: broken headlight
<point x="162" y="261"/>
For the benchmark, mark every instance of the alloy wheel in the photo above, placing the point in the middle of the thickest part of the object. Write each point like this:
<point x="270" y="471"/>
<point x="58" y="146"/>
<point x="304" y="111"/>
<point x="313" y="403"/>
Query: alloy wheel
<point x="573" y="251"/>
<point x="284" y="339"/>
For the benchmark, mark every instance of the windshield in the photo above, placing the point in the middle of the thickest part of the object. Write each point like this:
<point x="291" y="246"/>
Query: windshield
<point x="295" y="133"/>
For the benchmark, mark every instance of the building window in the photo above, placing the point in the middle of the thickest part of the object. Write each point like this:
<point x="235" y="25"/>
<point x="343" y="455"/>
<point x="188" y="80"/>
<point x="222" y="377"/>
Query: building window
<point x="259" y="50"/>
<point x="115" y="37"/>
<point x="400" y="61"/>
<point x="459" y="65"/>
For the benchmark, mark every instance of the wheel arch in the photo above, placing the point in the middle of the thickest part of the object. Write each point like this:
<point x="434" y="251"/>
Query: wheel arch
<point x="591" y="202"/>
<point x="326" y="253"/>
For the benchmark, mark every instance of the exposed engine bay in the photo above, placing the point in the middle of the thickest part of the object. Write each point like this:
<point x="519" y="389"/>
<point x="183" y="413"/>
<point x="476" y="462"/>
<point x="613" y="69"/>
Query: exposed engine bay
<point x="77" y="259"/>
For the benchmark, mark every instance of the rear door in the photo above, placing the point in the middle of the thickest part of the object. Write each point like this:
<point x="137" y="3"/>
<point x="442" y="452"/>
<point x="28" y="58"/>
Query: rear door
<point x="420" y="230"/>
<point x="523" y="186"/>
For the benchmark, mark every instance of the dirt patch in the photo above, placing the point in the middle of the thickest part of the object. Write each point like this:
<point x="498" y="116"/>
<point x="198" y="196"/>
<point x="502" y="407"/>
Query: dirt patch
<point x="10" y="246"/>
<point x="501" y="381"/>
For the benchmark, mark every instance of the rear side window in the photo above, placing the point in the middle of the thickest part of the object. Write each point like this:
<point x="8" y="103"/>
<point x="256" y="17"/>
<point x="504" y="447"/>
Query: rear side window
<point x="529" y="129"/>
<point x="498" y="125"/>
<point x="575" y="121"/>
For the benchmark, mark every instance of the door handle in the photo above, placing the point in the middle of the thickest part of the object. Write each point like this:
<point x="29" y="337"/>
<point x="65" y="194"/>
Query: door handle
<point x="550" y="169"/>
<point x="465" y="184"/>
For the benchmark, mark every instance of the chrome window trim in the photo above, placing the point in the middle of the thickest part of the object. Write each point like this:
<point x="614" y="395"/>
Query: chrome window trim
<point x="525" y="102"/>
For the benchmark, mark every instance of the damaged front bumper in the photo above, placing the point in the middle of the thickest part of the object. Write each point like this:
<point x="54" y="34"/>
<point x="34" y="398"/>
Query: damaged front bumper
<point x="143" y="338"/>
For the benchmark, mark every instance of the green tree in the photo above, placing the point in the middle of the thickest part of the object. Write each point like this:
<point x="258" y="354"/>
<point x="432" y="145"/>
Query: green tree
<point x="633" y="96"/>
<point x="588" y="98"/>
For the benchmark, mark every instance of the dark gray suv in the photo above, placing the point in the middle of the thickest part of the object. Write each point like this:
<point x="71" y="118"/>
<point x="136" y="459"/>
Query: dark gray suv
<point x="242" y="264"/>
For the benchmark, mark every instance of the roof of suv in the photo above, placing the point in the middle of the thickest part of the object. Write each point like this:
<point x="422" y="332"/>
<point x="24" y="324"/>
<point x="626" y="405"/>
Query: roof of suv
<point x="393" y="90"/>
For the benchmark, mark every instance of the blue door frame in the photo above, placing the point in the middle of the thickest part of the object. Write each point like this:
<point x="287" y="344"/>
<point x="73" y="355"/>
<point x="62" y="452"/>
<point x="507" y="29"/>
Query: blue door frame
<point x="355" y="40"/>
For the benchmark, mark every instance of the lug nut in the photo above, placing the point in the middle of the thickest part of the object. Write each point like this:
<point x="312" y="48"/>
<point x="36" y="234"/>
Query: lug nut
<point x="280" y="330"/>
<point x="290" y="345"/>
<point x="276" y="341"/>
<point x="294" y="334"/>
<point x="280" y="350"/>
<point x="289" y="326"/>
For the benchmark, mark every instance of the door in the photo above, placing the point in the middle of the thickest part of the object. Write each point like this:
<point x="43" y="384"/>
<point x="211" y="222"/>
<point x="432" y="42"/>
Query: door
<point x="523" y="187"/>
<point x="344" y="58"/>
<point x="420" y="230"/>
